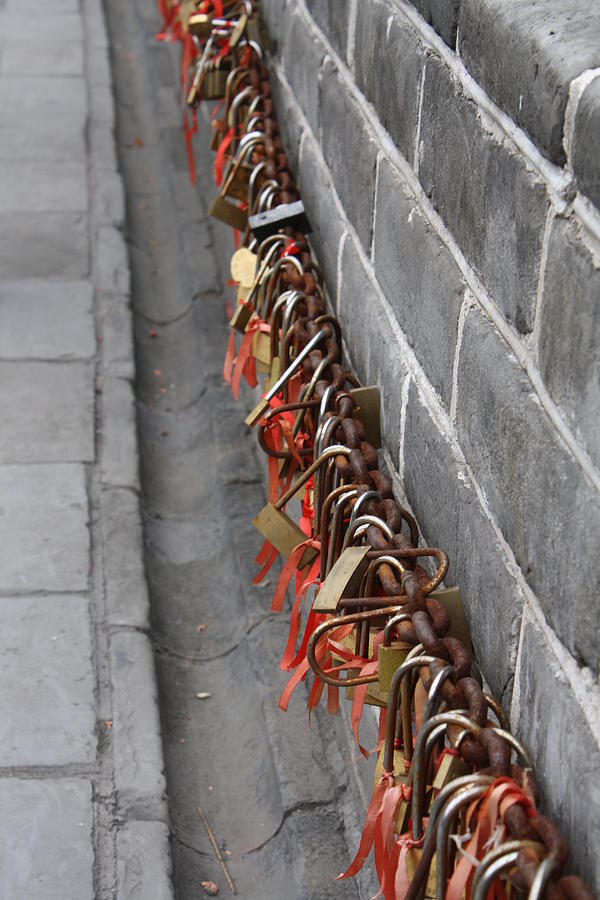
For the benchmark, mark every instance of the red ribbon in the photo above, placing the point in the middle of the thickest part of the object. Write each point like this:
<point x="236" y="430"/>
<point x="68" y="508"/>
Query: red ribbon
<point x="220" y="157"/>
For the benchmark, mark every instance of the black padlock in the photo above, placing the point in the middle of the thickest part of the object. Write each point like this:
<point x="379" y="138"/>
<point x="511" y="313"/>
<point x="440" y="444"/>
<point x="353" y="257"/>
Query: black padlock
<point x="269" y="222"/>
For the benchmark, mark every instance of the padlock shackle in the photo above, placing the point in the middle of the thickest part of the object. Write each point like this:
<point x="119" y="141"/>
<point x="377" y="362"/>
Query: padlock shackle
<point x="335" y="529"/>
<point x="392" y="706"/>
<point x="498" y="852"/>
<point x="366" y="520"/>
<point x="336" y="622"/>
<point x="416" y="888"/>
<point x="295" y="364"/>
<point x="443" y="825"/>
<point x="334" y="450"/>
<point x="255" y="138"/>
<point x="364" y="498"/>
<point x="414" y="553"/>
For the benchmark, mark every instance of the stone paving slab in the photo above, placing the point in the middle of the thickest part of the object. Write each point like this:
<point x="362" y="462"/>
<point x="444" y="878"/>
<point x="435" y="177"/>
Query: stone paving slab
<point x="47" y="412"/>
<point x="44" y="541"/>
<point x="41" y="319"/>
<point x="36" y="186"/>
<point x="42" y="119"/>
<point x="45" y="846"/>
<point x="18" y="24"/>
<point x="57" y="58"/>
<point x="47" y="702"/>
<point x="43" y="244"/>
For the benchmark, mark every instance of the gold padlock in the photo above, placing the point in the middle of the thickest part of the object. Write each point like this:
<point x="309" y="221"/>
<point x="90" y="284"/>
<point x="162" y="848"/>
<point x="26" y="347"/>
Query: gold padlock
<point x="221" y="209"/>
<point x="199" y="24"/>
<point x="368" y="411"/>
<point x="214" y="83"/>
<point x="343" y="580"/>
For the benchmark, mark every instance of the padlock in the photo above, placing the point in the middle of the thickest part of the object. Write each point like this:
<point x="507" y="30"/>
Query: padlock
<point x="278" y="528"/>
<point x="214" y="83"/>
<point x="286" y="215"/>
<point x="221" y="209"/>
<point x="238" y="31"/>
<point x="260" y="409"/>
<point x="199" y="24"/>
<point x="343" y="580"/>
<point x="261" y="350"/>
<point x="368" y="410"/>
<point x="257" y="33"/>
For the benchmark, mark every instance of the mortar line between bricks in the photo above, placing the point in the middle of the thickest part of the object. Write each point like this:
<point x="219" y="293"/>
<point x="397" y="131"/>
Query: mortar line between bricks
<point x="486" y="305"/>
<point x="533" y="339"/>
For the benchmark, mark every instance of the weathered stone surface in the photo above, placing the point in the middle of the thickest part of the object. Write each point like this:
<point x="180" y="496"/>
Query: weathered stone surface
<point x="534" y="487"/>
<point x="123" y="551"/>
<point x="388" y="64"/>
<point x="117" y="335"/>
<point x="47" y="412"/>
<point x="315" y="185"/>
<point x="569" y="345"/>
<point x="44" y="542"/>
<point x="43" y="245"/>
<point x="493" y="205"/>
<point x="333" y="17"/>
<point x="53" y="128"/>
<point x="442" y="15"/>
<point x="47" y="708"/>
<point x="44" y="57"/>
<point x="525" y="55"/>
<point x="302" y="57"/>
<point x="448" y="511"/>
<point x="421" y="281"/>
<point x="112" y="264"/>
<point x="118" y="453"/>
<point x="42" y="319"/>
<point x="273" y="13"/>
<point x="46" y="839"/>
<point x="350" y="150"/>
<point x="564" y="746"/>
<point x="143" y="862"/>
<point x="42" y="186"/>
<point x="139" y="778"/>
<point x="108" y="198"/>
<point x="371" y="343"/>
<point x="290" y="123"/>
<point x="586" y="151"/>
<point x="15" y="25"/>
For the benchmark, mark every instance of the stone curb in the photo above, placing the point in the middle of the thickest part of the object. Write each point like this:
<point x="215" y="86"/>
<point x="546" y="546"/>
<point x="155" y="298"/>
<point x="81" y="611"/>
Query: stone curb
<point x="143" y="859"/>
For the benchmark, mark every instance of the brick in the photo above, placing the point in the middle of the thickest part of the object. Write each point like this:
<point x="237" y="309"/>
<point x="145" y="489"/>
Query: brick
<point x="350" y="150"/>
<point x="449" y="514"/>
<point x="273" y="13"/>
<point x="333" y="17"/>
<point x="44" y="541"/>
<point x="302" y="56"/>
<point x="565" y="750"/>
<point x="125" y="585"/>
<point x="143" y="862"/>
<point x="46" y="320"/>
<point x="46" y="839"/>
<point x="525" y="54"/>
<point x="371" y="343"/>
<point x="53" y="128"/>
<point x="47" y="708"/>
<point x="535" y="489"/>
<point x="441" y="15"/>
<point x="112" y="261"/>
<point x="419" y="277"/>
<point x="493" y="205"/>
<point x="118" y="453"/>
<point x="290" y="122"/>
<point x="43" y="245"/>
<point x="586" y="153"/>
<point x="47" y="412"/>
<point x="569" y="348"/>
<point x="139" y="778"/>
<point x="315" y="187"/>
<point x="388" y="66"/>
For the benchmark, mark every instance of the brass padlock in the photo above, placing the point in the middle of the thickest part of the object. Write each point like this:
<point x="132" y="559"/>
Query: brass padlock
<point x="214" y="83"/>
<point x="343" y="580"/>
<point x="221" y="209"/>
<point x="277" y="527"/>
<point x="199" y="24"/>
<point x="368" y="411"/>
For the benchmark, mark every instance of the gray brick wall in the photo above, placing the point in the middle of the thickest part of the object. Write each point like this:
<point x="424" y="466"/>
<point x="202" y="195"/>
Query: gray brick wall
<point x="448" y="156"/>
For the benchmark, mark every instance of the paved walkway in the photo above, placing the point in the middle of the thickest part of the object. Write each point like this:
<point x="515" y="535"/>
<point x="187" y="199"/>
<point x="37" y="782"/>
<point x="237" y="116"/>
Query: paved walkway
<point x="81" y="786"/>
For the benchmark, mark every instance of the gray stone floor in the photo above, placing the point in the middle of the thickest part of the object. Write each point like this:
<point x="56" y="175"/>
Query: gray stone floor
<point x="82" y="790"/>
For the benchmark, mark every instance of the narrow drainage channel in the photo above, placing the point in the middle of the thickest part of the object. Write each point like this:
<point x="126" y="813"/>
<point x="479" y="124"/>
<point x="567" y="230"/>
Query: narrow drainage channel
<point x="284" y="803"/>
